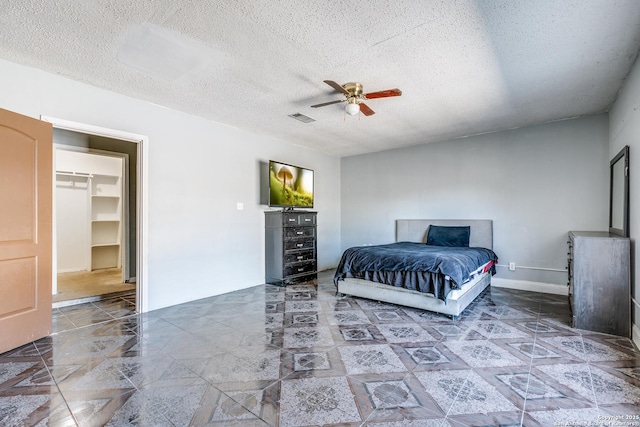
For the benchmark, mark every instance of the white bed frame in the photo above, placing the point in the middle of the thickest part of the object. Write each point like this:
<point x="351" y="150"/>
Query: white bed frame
<point x="415" y="230"/>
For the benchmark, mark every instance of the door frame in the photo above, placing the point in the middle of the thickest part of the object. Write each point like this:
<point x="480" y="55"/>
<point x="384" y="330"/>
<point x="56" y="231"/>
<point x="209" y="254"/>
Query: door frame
<point x="142" y="200"/>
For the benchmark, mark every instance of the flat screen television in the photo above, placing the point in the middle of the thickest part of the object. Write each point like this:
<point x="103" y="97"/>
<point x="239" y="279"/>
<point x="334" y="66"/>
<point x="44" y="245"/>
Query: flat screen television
<point x="290" y="186"/>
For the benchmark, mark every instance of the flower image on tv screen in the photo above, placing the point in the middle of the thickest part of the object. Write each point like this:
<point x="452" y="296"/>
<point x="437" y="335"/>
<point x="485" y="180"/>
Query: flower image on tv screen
<point x="290" y="186"/>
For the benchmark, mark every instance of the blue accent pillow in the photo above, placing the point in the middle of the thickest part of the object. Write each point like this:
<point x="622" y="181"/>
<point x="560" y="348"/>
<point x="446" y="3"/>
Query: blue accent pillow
<point x="448" y="236"/>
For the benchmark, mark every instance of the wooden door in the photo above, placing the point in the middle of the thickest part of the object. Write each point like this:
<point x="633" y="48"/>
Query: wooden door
<point x="25" y="229"/>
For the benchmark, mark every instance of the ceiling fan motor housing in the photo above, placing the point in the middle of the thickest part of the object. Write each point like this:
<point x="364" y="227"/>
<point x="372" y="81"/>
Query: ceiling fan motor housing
<point x="354" y="89"/>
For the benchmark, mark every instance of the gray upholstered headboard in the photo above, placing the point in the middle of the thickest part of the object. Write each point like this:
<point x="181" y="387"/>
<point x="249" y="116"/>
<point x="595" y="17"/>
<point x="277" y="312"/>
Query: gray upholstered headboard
<point x="415" y="230"/>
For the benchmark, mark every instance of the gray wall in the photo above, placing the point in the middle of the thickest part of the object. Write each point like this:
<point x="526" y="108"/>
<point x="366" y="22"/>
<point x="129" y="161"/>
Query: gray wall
<point x="624" y="129"/>
<point x="199" y="244"/>
<point x="536" y="183"/>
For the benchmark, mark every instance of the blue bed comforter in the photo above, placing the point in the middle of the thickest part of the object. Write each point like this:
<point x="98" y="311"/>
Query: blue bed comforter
<point x="413" y="265"/>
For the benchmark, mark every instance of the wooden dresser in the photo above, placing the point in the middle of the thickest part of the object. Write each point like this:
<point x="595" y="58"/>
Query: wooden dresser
<point x="290" y="247"/>
<point x="599" y="282"/>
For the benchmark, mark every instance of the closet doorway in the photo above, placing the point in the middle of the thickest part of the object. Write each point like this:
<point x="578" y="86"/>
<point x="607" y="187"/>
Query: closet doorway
<point x="95" y="199"/>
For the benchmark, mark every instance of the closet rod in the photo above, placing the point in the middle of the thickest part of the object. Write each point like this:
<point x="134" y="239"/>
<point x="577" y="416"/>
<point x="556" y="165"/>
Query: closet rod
<point x="79" y="174"/>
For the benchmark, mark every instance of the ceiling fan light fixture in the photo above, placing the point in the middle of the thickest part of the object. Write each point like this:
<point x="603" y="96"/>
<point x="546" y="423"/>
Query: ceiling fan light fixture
<point x="352" y="107"/>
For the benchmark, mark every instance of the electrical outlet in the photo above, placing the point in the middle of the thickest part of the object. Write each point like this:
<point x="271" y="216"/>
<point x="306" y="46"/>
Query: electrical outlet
<point x="512" y="266"/>
<point x="240" y="206"/>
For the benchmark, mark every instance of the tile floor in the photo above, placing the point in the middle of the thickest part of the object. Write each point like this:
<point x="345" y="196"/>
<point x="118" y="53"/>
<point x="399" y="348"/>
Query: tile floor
<point x="300" y="356"/>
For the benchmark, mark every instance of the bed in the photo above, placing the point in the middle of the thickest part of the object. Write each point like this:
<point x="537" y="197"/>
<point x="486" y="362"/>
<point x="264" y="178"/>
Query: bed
<point x="433" y="278"/>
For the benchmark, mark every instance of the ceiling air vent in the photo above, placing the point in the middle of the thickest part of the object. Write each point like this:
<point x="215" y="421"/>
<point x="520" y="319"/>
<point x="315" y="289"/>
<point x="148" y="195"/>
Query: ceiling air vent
<point x="302" y="118"/>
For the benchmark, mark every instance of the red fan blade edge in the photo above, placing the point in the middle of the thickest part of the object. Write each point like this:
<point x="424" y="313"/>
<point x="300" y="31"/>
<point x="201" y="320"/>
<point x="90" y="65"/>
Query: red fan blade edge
<point x="383" y="94"/>
<point x="364" y="109"/>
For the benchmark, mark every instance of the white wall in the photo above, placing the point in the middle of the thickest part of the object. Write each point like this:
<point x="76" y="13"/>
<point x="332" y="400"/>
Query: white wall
<point x="535" y="183"/>
<point x="72" y="225"/>
<point x="199" y="244"/>
<point x="624" y="129"/>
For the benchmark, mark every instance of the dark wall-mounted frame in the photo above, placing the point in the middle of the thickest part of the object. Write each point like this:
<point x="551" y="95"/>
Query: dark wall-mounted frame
<point x="619" y="194"/>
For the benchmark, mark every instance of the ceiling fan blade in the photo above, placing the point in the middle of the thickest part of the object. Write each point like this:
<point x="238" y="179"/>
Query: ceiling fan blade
<point x="366" y="110"/>
<point x="327" y="103"/>
<point x="383" y="94"/>
<point x="336" y="86"/>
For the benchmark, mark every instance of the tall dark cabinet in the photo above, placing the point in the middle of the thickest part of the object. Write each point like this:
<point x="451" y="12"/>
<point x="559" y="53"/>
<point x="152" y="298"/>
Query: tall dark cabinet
<point x="599" y="282"/>
<point x="290" y="247"/>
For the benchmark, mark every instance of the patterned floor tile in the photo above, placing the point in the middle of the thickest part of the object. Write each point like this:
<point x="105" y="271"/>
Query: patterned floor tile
<point x="308" y="337"/>
<point x="176" y="403"/>
<point x="503" y="312"/>
<point x="367" y="304"/>
<point x="302" y="319"/>
<point x="463" y="392"/>
<point x="539" y="327"/>
<point x="237" y="367"/>
<point x="531" y="390"/>
<point x="35" y="409"/>
<point x="354" y="317"/>
<point x="138" y="411"/>
<point x="428" y="317"/>
<point x="340" y="305"/>
<point x="302" y="355"/>
<point x="589" y="380"/>
<point x="502" y="419"/>
<point x="480" y="354"/>
<point x="236" y="407"/>
<point x="404" y="332"/>
<point x="362" y="359"/>
<point x="585" y="349"/>
<point x="393" y="397"/>
<point x="497" y="329"/>
<point x="428" y="356"/>
<point x="301" y="306"/>
<point x="317" y="401"/>
<point x="319" y="362"/>
<point x="453" y="331"/>
<point x="388" y="316"/>
<point x="358" y="335"/>
<point x="576" y="417"/>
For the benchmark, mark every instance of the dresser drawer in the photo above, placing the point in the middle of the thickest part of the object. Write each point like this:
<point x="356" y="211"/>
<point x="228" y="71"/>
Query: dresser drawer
<point x="299" y="256"/>
<point x="290" y="220"/>
<point x="306" y="219"/>
<point x="294" y="219"/>
<point x="299" y="232"/>
<point x="299" y="244"/>
<point x="299" y="268"/>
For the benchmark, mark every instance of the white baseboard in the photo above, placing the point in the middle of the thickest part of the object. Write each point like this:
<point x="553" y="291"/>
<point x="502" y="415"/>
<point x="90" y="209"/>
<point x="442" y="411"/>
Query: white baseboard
<point x="635" y="334"/>
<point x="524" y="285"/>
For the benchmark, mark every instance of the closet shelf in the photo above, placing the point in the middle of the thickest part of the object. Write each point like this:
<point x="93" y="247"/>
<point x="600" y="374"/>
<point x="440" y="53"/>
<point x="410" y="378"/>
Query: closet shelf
<point x="106" y="221"/>
<point x="75" y="174"/>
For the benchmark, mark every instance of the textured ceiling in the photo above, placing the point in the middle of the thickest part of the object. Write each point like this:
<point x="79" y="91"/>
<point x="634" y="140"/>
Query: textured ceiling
<point x="465" y="67"/>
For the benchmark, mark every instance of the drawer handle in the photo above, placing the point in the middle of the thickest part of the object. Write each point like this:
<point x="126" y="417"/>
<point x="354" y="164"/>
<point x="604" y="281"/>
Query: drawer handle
<point x="299" y="233"/>
<point x="292" y="220"/>
<point x="300" y="257"/>
<point x="301" y="269"/>
<point x="299" y="245"/>
<point x="307" y="219"/>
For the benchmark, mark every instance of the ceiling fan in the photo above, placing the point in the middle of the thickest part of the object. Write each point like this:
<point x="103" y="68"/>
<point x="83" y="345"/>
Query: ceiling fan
<point x="354" y="97"/>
